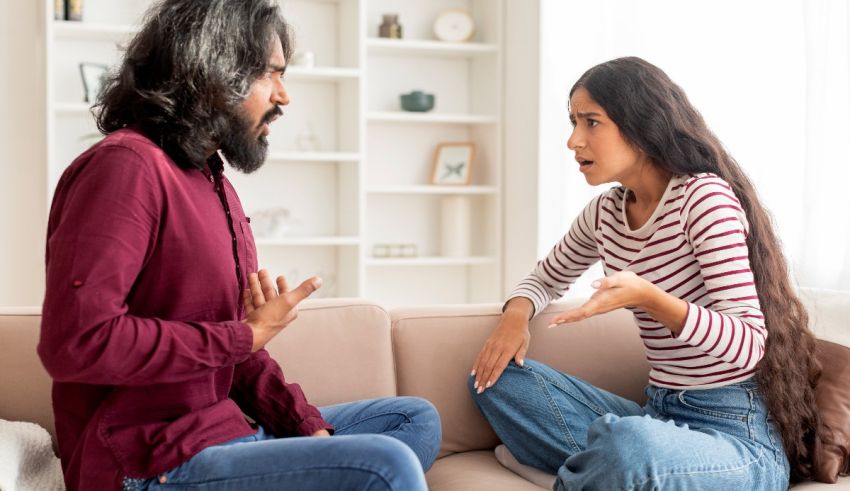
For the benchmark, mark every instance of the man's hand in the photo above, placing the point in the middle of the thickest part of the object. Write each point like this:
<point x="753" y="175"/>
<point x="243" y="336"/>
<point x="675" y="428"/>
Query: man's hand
<point x="619" y="290"/>
<point x="321" y="433"/>
<point x="270" y="309"/>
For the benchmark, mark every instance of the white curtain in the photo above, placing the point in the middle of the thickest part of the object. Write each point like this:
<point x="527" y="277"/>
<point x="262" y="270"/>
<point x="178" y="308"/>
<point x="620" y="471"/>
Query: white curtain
<point x="771" y="78"/>
<point x="824" y="260"/>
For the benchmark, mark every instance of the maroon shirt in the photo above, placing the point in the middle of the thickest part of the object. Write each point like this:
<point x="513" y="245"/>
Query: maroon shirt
<point x="140" y="327"/>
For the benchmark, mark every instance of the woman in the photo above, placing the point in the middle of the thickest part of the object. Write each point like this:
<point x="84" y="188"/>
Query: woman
<point x="688" y="248"/>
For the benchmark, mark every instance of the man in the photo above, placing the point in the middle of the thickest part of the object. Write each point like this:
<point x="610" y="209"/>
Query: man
<point x="154" y="319"/>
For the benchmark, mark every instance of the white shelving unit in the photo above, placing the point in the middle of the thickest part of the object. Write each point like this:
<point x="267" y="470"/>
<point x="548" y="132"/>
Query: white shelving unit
<point x="347" y="169"/>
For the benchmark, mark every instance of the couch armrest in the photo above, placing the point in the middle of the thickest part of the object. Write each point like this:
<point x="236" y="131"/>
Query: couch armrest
<point x="338" y="350"/>
<point x="435" y="347"/>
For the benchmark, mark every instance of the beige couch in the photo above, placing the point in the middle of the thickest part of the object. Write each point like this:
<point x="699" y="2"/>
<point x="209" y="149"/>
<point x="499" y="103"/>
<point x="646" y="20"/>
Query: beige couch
<point x="344" y="349"/>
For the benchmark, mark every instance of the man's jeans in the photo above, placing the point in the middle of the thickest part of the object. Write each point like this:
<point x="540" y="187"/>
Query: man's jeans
<point x="681" y="439"/>
<point x="379" y="444"/>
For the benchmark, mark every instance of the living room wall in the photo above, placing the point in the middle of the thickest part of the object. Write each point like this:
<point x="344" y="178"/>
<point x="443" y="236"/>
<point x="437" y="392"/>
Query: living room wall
<point x="23" y="207"/>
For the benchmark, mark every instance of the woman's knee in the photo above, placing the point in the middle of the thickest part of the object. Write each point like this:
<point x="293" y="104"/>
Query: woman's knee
<point x="509" y="385"/>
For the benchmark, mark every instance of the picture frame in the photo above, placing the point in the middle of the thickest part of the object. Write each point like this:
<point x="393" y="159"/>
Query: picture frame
<point x="93" y="75"/>
<point x="453" y="163"/>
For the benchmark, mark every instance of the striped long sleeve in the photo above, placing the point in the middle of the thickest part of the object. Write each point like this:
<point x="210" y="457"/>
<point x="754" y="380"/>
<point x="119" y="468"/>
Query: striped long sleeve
<point x="567" y="260"/>
<point x="730" y="326"/>
<point x="694" y="248"/>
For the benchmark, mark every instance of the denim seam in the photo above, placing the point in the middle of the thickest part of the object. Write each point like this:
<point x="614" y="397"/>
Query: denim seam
<point x="692" y="473"/>
<point x="407" y="418"/>
<point x="559" y="417"/>
<point x="202" y="484"/>
<point x="596" y="409"/>
<point x="710" y="412"/>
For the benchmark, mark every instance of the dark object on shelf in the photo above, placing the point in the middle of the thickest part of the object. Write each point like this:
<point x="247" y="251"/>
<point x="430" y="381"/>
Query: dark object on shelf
<point x="417" y="101"/>
<point x="390" y="28"/>
<point x="94" y="75"/>
<point x="60" y="9"/>
<point x="74" y="10"/>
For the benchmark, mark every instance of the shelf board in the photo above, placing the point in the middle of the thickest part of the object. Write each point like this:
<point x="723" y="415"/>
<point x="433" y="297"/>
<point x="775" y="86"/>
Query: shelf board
<point x="413" y="117"/>
<point x="429" y="48"/>
<point x="432" y="189"/>
<point x="308" y="241"/>
<point x="313" y="157"/>
<point x="298" y="73"/>
<point x="430" y="261"/>
<point x="91" y="31"/>
<point x="72" y="108"/>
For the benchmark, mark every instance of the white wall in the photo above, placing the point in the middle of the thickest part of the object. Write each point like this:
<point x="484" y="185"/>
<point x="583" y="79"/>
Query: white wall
<point x="23" y="208"/>
<point x="745" y="73"/>
<point x="522" y="179"/>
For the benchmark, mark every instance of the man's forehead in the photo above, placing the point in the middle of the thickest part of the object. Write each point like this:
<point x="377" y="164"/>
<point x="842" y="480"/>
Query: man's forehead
<point x="276" y="58"/>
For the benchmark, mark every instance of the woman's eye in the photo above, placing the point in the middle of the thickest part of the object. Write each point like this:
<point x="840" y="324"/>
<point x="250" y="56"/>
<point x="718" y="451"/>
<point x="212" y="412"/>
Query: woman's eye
<point x="592" y="122"/>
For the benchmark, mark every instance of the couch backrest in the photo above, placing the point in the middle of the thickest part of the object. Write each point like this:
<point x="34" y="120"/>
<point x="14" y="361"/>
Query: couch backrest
<point x="24" y="384"/>
<point x="337" y="350"/>
<point x="435" y="348"/>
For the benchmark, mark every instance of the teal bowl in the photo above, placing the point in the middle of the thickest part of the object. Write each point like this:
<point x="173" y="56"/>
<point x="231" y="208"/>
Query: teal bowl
<point x="417" y="101"/>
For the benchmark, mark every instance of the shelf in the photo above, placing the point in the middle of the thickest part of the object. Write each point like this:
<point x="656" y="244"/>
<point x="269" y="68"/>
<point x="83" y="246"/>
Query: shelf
<point x="297" y="73"/>
<point x="429" y="48"/>
<point x="429" y="189"/>
<point x="78" y="108"/>
<point x="437" y="118"/>
<point x="89" y="31"/>
<point x="313" y="157"/>
<point x="430" y="261"/>
<point x="307" y="241"/>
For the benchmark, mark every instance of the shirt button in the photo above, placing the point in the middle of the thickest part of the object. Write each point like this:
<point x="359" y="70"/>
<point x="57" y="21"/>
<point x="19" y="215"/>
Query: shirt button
<point x="234" y="239"/>
<point x="77" y="283"/>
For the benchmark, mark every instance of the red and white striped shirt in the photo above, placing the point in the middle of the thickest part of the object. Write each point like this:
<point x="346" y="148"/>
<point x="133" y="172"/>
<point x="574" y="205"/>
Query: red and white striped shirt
<point x="694" y="248"/>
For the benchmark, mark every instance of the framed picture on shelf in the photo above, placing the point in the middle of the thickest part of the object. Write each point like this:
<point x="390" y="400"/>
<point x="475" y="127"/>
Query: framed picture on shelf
<point x="93" y="74"/>
<point x="453" y="163"/>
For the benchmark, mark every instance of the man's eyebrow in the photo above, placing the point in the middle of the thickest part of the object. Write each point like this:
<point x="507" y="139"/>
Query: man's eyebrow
<point x="276" y="68"/>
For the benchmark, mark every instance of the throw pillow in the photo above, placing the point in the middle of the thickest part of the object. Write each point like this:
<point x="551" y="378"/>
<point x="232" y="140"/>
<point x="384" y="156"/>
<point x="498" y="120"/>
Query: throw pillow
<point x="833" y="398"/>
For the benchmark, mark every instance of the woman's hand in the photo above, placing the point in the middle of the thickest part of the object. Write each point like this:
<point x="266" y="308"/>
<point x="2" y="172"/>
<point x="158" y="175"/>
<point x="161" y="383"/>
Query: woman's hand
<point x="622" y="289"/>
<point x="321" y="433"/>
<point x="508" y="341"/>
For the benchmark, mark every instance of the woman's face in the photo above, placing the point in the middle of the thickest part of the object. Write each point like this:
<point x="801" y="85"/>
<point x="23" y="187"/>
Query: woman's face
<point x="601" y="151"/>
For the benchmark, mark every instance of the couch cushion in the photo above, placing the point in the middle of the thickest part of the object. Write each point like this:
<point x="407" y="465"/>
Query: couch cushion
<point x="24" y="383"/>
<point x="338" y="350"/>
<point x="474" y="471"/>
<point x="436" y="346"/>
<point x="538" y="477"/>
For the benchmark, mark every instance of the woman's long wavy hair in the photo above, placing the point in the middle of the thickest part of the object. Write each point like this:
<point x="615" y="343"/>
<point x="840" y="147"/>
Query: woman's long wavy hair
<point x="188" y="69"/>
<point x="655" y="115"/>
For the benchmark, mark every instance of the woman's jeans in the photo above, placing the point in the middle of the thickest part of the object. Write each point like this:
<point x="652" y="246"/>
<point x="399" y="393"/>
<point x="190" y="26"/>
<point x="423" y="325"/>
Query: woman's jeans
<point x="379" y="444"/>
<point x="708" y="439"/>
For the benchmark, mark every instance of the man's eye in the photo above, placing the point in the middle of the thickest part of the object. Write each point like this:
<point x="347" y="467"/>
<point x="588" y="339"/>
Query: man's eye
<point x="592" y="122"/>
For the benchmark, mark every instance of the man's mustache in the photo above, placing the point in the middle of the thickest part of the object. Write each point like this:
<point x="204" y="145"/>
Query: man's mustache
<point x="271" y="114"/>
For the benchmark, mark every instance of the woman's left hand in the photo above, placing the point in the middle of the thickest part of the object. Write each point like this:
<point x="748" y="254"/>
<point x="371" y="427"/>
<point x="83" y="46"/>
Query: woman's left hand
<point x="619" y="290"/>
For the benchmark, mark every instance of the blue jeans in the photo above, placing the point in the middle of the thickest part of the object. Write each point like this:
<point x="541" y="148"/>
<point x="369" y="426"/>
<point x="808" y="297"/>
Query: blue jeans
<point x="379" y="444"/>
<point x="709" y="439"/>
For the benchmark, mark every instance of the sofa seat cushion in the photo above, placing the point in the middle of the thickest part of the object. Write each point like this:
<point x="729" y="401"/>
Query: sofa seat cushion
<point x="538" y="477"/>
<point x="475" y="471"/>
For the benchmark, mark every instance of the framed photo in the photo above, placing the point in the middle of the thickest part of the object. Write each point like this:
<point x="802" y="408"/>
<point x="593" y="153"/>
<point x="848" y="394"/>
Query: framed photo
<point x="453" y="163"/>
<point x="93" y="74"/>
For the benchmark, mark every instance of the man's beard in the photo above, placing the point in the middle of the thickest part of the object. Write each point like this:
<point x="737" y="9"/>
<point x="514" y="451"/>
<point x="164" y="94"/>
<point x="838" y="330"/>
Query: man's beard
<point x="245" y="151"/>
